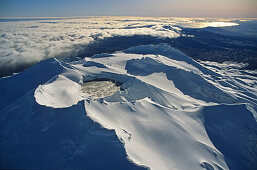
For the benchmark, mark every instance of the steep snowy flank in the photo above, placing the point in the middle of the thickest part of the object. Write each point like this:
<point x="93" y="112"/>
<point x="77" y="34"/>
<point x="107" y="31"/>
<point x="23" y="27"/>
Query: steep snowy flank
<point x="167" y="110"/>
<point x="18" y="85"/>
<point x="38" y="137"/>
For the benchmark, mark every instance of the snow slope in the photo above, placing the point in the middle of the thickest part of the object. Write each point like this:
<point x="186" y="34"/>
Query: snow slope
<point x="170" y="112"/>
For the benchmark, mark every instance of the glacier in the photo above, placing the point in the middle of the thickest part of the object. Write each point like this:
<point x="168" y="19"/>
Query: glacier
<point x="168" y="112"/>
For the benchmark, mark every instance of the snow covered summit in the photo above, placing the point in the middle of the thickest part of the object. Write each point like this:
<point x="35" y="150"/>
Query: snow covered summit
<point x="154" y="107"/>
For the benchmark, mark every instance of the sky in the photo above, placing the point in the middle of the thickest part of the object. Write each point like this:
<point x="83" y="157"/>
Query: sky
<point x="156" y="8"/>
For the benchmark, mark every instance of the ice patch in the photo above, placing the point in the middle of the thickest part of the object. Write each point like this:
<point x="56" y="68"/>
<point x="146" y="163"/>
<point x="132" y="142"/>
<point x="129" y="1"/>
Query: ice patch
<point x="99" y="89"/>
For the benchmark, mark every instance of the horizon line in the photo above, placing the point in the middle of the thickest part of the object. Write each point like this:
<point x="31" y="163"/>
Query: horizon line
<point x="17" y="17"/>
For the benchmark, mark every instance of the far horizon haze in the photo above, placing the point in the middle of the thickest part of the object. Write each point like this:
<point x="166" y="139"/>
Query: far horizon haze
<point x="151" y="8"/>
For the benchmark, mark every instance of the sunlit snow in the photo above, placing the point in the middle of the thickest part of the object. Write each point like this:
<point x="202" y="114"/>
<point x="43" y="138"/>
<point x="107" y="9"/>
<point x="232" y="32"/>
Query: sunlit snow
<point x="165" y="112"/>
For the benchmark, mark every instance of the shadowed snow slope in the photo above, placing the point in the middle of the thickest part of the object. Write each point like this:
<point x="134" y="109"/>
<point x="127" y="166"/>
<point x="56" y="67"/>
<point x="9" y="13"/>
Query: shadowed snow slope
<point x="170" y="112"/>
<point x="38" y="137"/>
<point x="18" y="85"/>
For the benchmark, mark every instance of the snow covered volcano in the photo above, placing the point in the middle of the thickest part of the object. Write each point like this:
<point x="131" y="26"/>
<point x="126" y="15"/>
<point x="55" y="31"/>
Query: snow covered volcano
<point x="154" y="108"/>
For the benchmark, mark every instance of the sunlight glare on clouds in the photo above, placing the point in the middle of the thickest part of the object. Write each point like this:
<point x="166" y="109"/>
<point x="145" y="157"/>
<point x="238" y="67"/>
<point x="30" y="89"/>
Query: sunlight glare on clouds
<point x="219" y="24"/>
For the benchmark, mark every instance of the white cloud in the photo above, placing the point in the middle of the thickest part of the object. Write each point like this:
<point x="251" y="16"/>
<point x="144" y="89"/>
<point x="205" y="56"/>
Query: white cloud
<point x="27" y="42"/>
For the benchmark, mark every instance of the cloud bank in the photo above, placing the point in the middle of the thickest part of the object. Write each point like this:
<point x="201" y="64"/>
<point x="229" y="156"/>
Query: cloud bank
<point x="24" y="42"/>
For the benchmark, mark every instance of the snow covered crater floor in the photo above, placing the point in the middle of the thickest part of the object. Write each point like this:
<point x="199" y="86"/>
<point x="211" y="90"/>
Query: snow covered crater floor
<point x="169" y="111"/>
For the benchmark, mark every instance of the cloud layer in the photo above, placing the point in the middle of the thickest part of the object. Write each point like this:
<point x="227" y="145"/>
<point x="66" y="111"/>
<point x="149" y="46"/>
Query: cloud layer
<point x="25" y="42"/>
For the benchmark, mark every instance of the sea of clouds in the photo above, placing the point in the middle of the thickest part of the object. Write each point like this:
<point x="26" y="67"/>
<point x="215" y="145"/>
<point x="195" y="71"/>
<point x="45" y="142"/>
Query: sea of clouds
<point x="24" y="42"/>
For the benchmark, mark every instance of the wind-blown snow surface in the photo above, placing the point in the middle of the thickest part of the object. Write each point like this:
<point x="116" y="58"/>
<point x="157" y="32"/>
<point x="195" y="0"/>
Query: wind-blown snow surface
<point x="170" y="113"/>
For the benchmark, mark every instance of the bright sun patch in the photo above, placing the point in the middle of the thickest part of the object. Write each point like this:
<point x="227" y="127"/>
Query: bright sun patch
<point x="220" y="24"/>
